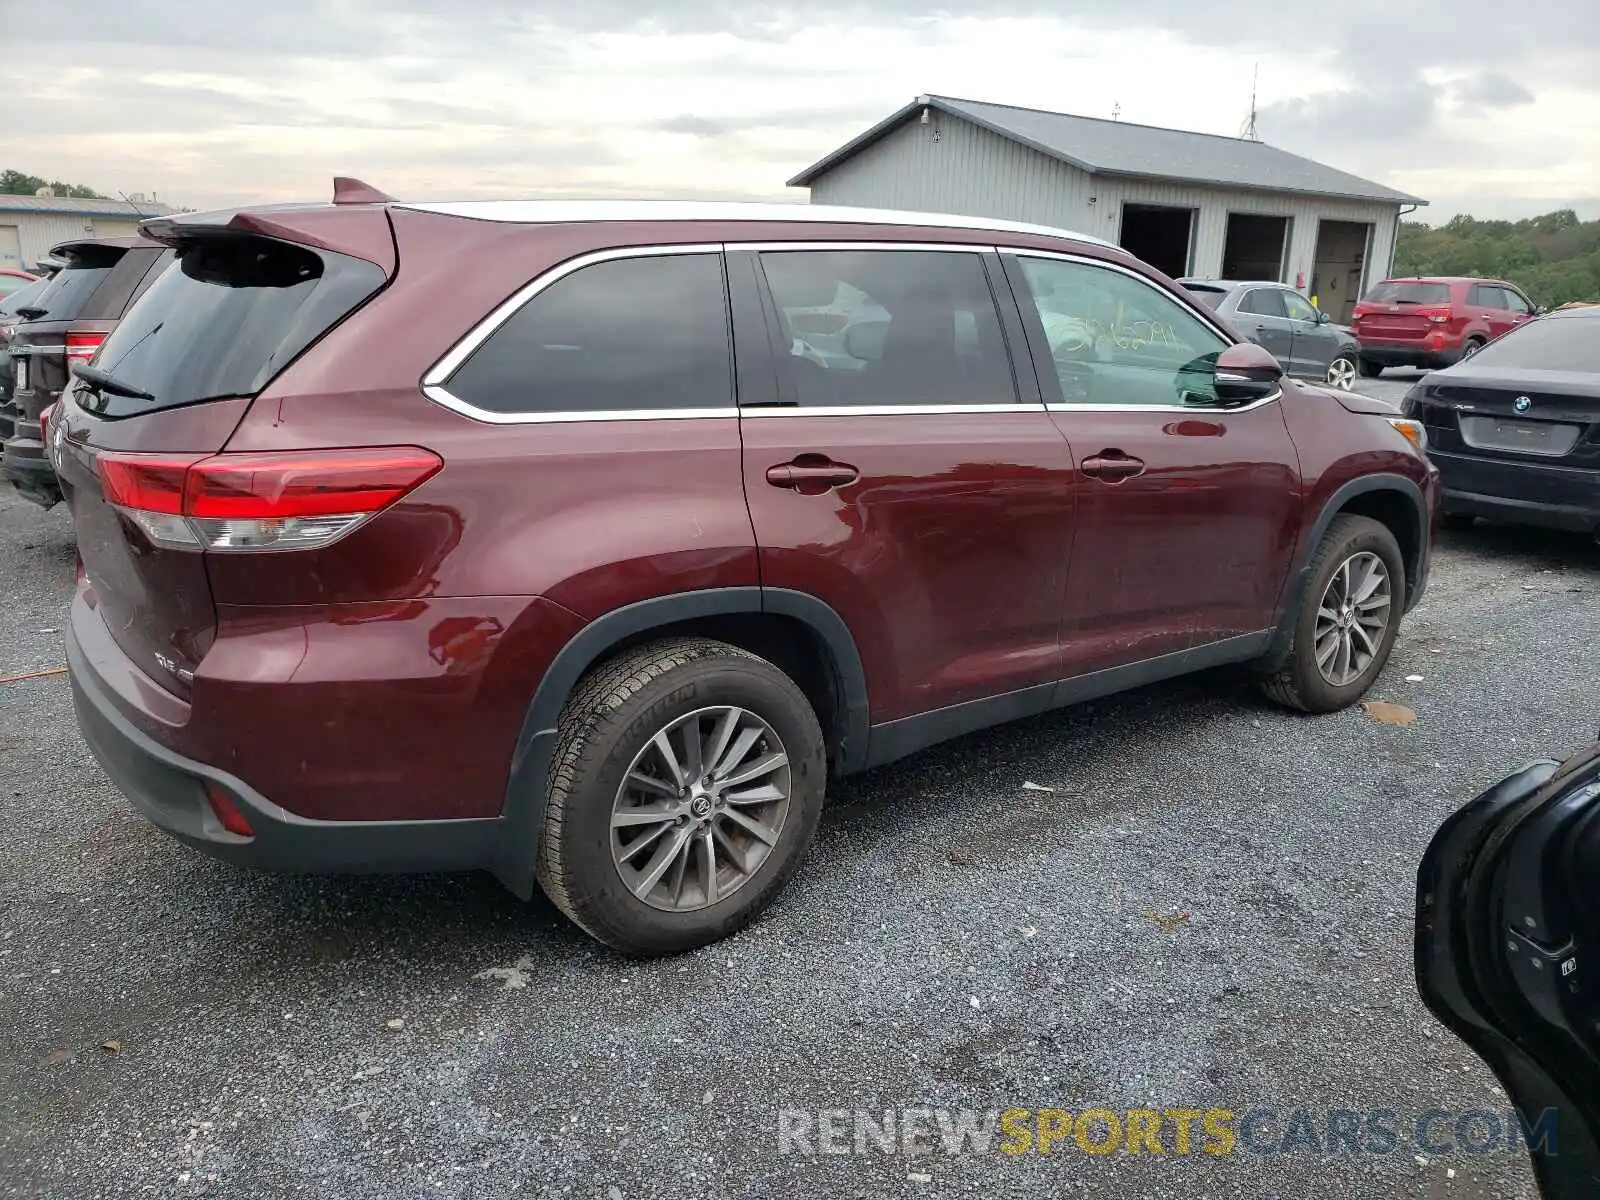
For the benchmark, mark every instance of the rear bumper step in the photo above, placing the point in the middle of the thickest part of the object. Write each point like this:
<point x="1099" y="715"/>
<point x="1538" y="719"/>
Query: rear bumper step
<point x="169" y="791"/>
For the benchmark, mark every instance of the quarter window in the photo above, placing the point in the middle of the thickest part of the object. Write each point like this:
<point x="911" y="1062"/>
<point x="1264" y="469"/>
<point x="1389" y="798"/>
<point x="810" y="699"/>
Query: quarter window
<point x="1114" y="339"/>
<point x="620" y="335"/>
<point x="889" y="327"/>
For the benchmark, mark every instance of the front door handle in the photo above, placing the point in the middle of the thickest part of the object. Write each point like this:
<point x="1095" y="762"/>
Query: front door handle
<point x="1113" y="466"/>
<point x="812" y="474"/>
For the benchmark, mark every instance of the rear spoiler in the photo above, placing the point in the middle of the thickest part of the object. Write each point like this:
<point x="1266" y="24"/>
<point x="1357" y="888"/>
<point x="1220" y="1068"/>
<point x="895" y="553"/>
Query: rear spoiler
<point x="356" y="223"/>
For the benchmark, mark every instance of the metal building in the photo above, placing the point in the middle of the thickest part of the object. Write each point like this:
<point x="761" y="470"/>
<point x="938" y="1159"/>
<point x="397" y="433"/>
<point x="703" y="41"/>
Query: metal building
<point x="1187" y="203"/>
<point x="30" y="225"/>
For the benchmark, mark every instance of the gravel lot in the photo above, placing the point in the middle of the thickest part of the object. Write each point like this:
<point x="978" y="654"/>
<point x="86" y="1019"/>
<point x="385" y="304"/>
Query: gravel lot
<point x="954" y="941"/>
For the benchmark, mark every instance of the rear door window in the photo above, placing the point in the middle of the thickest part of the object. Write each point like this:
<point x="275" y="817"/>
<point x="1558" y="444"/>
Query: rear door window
<point x="870" y="328"/>
<point x="631" y="334"/>
<point x="222" y="319"/>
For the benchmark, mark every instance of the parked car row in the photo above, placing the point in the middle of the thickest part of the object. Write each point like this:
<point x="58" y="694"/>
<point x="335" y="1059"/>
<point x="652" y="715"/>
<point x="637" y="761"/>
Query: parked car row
<point x="1299" y="335"/>
<point x="60" y="324"/>
<point x="1420" y="322"/>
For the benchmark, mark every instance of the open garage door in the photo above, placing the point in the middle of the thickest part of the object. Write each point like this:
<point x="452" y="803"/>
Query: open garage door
<point x="1256" y="247"/>
<point x="1159" y="234"/>
<point x="1336" y="282"/>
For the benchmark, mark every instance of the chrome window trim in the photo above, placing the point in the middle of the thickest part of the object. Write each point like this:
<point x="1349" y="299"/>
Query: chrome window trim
<point x="884" y="410"/>
<point x="433" y="380"/>
<point x="554" y="212"/>
<point x="805" y="247"/>
<point x="1193" y="410"/>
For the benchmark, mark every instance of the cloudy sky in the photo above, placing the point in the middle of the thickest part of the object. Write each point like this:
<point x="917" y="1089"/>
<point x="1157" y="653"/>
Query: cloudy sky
<point x="1482" y="106"/>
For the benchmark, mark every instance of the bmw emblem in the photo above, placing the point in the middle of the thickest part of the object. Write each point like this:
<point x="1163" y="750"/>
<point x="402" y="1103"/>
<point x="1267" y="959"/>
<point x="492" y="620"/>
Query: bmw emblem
<point x="1522" y="404"/>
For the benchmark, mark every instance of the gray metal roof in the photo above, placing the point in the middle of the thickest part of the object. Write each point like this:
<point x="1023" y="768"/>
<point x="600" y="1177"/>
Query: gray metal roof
<point x="1104" y="147"/>
<point x="73" y="206"/>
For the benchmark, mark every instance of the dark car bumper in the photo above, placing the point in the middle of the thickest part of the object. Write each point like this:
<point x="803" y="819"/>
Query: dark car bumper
<point x="170" y="791"/>
<point x="1522" y="493"/>
<point x="23" y="462"/>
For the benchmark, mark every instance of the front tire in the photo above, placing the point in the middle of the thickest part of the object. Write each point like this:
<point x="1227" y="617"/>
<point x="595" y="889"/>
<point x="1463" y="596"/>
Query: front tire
<point x="1348" y="620"/>
<point x="685" y="788"/>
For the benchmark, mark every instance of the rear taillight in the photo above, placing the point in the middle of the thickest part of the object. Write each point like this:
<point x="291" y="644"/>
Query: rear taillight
<point x="279" y="501"/>
<point x="1439" y="316"/>
<point x="81" y="347"/>
<point x="48" y="411"/>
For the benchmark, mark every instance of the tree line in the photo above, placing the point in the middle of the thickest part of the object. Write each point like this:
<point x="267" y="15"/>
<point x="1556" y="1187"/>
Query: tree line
<point x="1554" y="258"/>
<point x="19" y="183"/>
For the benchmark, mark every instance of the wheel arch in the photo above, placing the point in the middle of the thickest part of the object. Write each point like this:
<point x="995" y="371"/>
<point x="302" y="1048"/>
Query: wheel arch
<point x="797" y="632"/>
<point x="1392" y="500"/>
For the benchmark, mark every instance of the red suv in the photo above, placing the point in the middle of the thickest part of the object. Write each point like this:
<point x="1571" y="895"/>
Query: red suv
<point x="1434" y="322"/>
<point x="588" y="566"/>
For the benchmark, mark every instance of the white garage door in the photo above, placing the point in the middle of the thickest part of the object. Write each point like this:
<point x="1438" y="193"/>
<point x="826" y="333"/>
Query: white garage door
<point x="10" y="246"/>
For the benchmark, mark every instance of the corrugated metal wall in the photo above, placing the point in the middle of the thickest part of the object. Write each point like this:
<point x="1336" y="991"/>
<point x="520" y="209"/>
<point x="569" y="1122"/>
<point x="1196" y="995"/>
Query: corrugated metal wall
<point x="37" y="232"/>
<point x="954" y="166"/>
<point x="951" y="165"/>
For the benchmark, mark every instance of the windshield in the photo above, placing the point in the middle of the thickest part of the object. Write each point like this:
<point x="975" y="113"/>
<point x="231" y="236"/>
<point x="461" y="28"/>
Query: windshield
<point x="1549" y="344"/>
<point x="225" y="318"/>
<point x="1399" y="291"/>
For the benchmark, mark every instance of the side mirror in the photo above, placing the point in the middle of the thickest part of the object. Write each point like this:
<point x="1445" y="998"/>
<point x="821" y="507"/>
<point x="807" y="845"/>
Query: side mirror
<point x="1246" y="372"/>
<point x="1323" y="318"/>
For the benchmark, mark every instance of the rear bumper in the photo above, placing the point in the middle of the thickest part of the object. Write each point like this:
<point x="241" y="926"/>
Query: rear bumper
<point x="168" y="789"/>
<point x="1521" y="493"/>
<point x="1410" y="354"/>
<point x="24" y="463"/>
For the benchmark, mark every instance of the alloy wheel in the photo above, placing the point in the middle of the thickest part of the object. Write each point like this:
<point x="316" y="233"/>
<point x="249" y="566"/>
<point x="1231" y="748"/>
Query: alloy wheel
<point x="700" y="809"/>
<point x="1342" y="374"/>
<point x="1352" y="618"/>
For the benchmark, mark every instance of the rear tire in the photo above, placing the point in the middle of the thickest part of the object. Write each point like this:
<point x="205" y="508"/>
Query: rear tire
<point x="1312" y="681"/>
<point x="599" y="823"/>
<point x="1369" y="369"/>
<point x="1472" y="346"/>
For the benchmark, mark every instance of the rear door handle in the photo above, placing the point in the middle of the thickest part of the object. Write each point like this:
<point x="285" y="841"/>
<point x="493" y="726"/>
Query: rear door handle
<point x="812" y="474"/>
<point x="1113" y="466"/>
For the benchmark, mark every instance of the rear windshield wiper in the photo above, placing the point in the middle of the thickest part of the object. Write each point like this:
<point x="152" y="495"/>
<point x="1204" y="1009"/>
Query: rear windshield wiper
<point x="29" y="313"/>
<point x="103" y="381"/>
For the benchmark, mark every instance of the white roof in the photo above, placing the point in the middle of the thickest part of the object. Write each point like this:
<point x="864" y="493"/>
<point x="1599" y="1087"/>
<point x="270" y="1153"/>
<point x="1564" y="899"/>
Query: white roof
<point x="551" y="212"/>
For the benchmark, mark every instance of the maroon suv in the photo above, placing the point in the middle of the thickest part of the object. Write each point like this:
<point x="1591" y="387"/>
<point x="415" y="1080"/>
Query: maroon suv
<point x="588" y="565"/>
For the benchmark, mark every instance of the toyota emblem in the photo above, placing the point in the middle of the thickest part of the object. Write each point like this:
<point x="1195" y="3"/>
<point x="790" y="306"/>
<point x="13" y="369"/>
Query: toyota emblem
<point x="1522" y="404"/>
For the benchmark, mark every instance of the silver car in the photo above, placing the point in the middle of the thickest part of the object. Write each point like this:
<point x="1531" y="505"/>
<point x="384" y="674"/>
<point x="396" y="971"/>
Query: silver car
<point x="1302" y="338"/>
